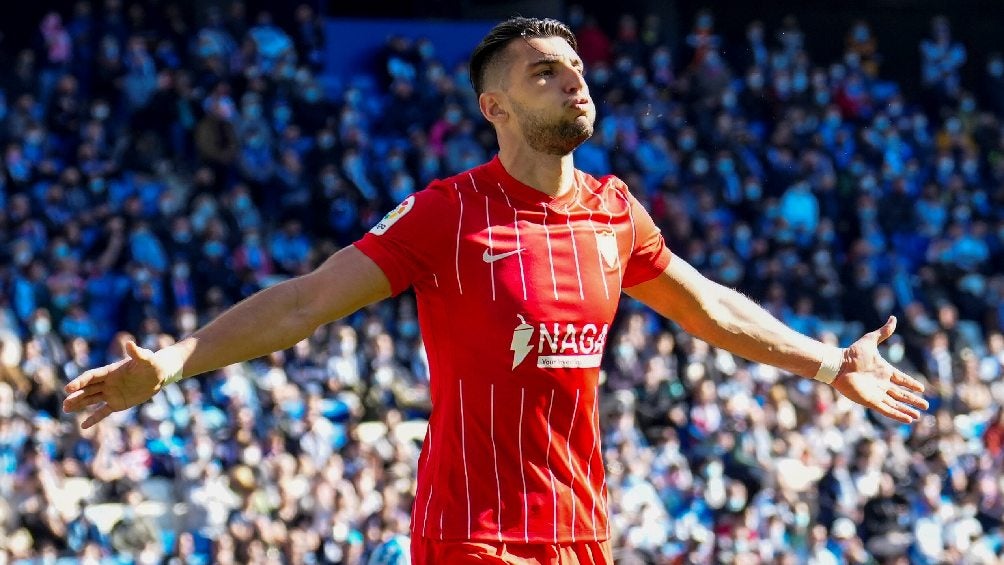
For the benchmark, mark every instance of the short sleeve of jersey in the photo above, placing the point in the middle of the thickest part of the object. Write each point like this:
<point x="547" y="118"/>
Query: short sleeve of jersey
<point x="650" y="255"/>
<point x="408" y="242"/>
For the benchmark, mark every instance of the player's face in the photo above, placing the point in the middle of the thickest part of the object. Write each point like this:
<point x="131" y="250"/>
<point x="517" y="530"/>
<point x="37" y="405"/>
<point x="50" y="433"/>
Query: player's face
<point x="548" y="95"/>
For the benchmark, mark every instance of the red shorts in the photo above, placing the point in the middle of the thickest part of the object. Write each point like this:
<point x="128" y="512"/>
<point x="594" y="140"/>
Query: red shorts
<point x="432" y="552"/>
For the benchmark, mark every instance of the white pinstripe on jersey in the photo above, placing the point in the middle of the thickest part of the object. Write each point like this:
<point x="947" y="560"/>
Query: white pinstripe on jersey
<point x="547" y="461"/>
<point x="599" y="257"/>
<point x="550" y="256"/>
<point x="460" y="223"/>
<point x="522" y="468"/>
<point x="515" y="226"/>
<point x="463" y="450"/>
<point x="571" y="469"/>
<point x="589" y="466"/>
<point x="495" y="456"/>
<point x="575" y="254"/>
<point x="491" y="245"/>
<point x="425" y="519"/>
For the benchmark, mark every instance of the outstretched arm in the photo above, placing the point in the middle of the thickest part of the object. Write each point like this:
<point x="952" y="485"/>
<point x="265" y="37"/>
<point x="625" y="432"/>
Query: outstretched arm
<point x="272" y="319"/>
<point x="727" y="319"/>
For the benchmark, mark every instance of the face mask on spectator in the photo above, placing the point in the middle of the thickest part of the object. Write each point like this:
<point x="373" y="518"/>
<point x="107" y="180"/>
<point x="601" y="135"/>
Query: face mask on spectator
<point x="252" y="111"/>
<point x="800" y="82"/>
<point x="214" y="249"/>
<point x="181" y="271"/>
<point x="42" y="326"/>
<point x="731" y="273"/>
<point x="22" y="257"/>
<point x="600" y="76"/>
<point x="101" y="112"/>
<point x="996" y="68"/>
<point x="282" y="115"/>
<point x="408" y="329"/>
<point x="962" y="214"/>
<point x="687" y="143"/>
<point x="946" y="165"/>
<point x="699" y="166"/>
<point x="110" y="49"/>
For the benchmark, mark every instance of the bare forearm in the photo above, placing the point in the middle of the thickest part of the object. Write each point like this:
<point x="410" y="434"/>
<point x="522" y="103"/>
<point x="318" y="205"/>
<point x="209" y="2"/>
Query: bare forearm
<point x="736" y="323"/>
<point x="729" y="320"/>
<point x="280" y="316"/>
<point x="265" y="322"/>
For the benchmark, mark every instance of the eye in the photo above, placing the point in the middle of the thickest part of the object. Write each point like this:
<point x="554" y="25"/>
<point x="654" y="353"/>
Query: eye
<point x="545" y="73"/>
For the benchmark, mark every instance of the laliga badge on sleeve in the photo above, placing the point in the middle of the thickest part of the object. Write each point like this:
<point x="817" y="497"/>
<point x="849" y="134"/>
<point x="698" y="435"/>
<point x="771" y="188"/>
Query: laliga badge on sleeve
<point x="393" y="216"/>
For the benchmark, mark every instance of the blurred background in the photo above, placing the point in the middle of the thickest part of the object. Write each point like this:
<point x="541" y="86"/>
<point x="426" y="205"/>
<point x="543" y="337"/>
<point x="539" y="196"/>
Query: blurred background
<point x="161" y="160"/>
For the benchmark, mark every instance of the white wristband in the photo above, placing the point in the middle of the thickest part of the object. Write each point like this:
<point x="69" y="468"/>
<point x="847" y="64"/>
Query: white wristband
<point x="174" y="362"/>
<point x="830" y="365"/>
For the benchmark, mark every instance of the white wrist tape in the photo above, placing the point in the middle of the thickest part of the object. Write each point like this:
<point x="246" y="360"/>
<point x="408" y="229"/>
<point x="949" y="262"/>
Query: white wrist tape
<point x="173" y="361"/>
<point x="830" y="365"/>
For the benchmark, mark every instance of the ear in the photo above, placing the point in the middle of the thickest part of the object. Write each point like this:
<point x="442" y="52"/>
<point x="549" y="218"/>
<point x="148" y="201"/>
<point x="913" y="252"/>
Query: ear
<point x="492" y="108"/>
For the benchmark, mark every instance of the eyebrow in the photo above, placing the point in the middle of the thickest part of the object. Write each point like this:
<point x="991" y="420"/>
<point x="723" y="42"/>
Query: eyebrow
<point x="552" y="59"/>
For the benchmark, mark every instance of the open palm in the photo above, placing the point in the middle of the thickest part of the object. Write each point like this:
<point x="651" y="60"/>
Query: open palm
<point x="118" y="386"/>
<point x="871" y="381"/>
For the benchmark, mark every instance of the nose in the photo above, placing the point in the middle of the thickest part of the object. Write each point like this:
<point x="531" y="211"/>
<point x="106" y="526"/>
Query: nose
<point x="574" y="81"/>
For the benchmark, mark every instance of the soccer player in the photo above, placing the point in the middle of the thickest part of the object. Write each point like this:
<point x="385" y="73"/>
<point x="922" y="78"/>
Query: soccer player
<point x="517" y="265"/>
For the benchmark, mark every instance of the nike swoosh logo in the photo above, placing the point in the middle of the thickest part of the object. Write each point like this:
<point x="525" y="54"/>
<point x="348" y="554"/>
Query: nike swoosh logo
<point x="489" y="258"/>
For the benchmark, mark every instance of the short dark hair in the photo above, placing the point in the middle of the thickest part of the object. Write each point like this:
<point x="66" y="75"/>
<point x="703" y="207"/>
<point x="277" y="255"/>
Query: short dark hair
<point x="486" y="53"/>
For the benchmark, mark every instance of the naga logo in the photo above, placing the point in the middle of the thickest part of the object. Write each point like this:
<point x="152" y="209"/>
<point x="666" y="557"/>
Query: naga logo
<point x="559" y="345"/>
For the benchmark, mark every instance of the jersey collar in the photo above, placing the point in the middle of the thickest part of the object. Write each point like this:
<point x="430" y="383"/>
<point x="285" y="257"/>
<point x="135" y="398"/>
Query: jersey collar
<point x="527" y="194"/>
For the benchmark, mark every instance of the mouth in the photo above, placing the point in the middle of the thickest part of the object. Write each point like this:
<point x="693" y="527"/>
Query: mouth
<point x="581" y="106"/>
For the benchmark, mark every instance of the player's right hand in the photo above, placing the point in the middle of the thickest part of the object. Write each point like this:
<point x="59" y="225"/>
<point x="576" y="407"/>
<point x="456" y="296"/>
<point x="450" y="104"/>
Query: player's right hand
<point x="115" y="387"/>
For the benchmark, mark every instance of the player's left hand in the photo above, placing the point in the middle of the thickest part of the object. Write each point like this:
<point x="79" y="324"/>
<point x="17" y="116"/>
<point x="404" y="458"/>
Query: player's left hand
<point x="871" y="381"/>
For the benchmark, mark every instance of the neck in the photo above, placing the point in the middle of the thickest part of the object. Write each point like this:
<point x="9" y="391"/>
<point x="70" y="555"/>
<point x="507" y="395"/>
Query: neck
<point x="554" y="175"/>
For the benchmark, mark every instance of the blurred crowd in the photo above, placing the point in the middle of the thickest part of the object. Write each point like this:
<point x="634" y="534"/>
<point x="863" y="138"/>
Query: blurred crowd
<point x="160" y="165"/>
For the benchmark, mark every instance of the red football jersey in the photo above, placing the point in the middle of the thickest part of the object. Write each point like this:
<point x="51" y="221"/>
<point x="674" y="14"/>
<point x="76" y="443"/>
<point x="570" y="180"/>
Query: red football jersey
<point x="516" y="292"/>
